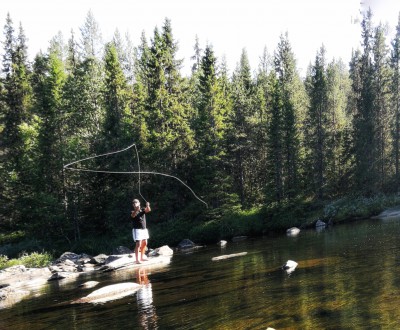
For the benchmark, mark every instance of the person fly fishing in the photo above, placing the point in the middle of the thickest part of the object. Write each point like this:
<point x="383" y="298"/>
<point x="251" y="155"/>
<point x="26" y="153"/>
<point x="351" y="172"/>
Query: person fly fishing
<point x="139" y="232"/>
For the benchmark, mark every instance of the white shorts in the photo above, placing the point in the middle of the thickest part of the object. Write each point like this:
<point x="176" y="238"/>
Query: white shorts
<point x="140" y="234"/>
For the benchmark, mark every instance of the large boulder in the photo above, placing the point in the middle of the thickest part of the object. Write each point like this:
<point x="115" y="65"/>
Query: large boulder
<point x="67" y="256"/>
<point x="186" y="244"/>
<point x="121" y="250"/>
<point x="99" y="259"/>
<point x="162" y="251"/>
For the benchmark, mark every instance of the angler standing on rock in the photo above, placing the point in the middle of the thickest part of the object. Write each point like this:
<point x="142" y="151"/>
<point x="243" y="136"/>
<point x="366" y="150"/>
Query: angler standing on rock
<point x="139" y="232"/>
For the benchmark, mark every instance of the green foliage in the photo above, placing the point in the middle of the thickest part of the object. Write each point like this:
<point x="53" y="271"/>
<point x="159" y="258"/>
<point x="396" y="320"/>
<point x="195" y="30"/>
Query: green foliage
<point x="249" y="222"/>
<point x="6" y="238"/>
<point x="29" y="245"/>
<point x="32" y="260"/>
<point x="356" y="207"/>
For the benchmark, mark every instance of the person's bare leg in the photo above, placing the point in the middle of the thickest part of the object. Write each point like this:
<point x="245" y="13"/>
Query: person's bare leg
<point x="142" y="250"/>
<point x="137" y="246"/>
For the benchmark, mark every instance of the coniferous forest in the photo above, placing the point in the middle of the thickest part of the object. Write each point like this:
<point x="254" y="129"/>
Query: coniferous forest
<point x="263" y="147"/>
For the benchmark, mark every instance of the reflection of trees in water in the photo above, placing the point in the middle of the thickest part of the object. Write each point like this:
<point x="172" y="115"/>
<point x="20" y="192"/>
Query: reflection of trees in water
<point x="146" y="310"/>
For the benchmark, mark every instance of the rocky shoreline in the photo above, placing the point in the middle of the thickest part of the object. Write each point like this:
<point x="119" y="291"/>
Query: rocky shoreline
<point x="18" y="282"/>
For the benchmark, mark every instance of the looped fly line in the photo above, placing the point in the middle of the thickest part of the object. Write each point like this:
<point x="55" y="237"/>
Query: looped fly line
<point x="67" y="167"/>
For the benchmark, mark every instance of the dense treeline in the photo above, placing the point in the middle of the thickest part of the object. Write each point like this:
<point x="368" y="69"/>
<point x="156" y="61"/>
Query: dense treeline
<point x="246" y="140"/>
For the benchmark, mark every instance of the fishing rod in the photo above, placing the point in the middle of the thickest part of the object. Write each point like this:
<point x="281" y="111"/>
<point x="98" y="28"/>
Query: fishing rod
<point x="139" y="172"/>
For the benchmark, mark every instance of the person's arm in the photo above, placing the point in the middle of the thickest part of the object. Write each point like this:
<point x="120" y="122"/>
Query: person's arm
<point x="147" y="209"/>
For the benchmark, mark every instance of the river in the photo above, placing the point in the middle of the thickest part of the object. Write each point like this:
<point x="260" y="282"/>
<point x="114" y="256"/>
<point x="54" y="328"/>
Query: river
<point x="348" y="277"/>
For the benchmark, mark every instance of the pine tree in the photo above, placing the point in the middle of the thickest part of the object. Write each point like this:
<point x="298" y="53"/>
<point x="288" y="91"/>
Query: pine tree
<point x="363" y="120"/>
<point x="117" y="100"/>
<point x="317" y="123"/>
<point x="197" y="56"/>
<point x="83" y="117"/>
<point x="141" y="93"/>
<point x="126" y="55"/>
<point x="210" y="129"/>
<point x="338" y="165"/>
<point x="291" y="95"/>
<point x="91" y="38"/>
<point x="241" y="127"/>
<point x="16" y="104"/>
<point x="395" y="88"/>
<point x="261" y="119"/>
<point x="382" y="112"/>
<point x="48" y="81"/>
<point x="170" y="139"/>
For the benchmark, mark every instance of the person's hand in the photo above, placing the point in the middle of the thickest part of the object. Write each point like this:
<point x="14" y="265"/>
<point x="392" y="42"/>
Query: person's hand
<point x="147" y="204"/>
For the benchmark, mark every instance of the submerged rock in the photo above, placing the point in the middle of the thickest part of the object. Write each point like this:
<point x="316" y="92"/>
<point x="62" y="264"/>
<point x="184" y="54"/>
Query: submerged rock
<point x="289" y="266"/>
<point x="228" y="256"/>
<point x="89" y="284"/>
<point x="294" y="231"/>
<point x="239" y="238"/>
<point x="222" y="243"/>
<point x="109" y="293"/>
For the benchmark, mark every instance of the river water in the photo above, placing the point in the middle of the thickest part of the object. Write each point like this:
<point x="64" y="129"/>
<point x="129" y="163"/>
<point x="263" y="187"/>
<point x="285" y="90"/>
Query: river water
<point x="348" y="277"/>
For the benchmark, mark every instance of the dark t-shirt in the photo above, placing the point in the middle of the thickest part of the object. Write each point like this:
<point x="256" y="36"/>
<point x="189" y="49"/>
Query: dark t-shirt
<point x="139" y="221"/>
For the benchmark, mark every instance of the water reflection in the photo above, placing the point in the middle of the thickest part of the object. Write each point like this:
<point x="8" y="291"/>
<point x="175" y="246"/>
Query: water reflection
<point x="347" y="278"/>
<point x="146" y="310"/>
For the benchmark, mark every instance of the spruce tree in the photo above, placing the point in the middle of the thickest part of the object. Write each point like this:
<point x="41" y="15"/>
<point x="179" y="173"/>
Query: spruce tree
<point x="16" y="104"/>
<point x="363" y="119"/>
<point x="48" y="82"/>
<point x="382" y="112"/>
<point x="316" y="125"/>
<point x="338" y="164"/>
<point x="170" y="138"/>
<point x="241" y="128"/>
<point x="210" y="129"/>
<point x="291" y="112"/>
<point x="395" y="92"/>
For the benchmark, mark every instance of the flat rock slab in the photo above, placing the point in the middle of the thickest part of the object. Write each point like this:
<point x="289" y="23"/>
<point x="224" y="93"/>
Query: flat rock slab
<point x="109" y="293"/>
<point x="392" y="213"/>
<point x="26" y="278"/>
<point x="125" y="261"/>
<point x="228" y="256"/>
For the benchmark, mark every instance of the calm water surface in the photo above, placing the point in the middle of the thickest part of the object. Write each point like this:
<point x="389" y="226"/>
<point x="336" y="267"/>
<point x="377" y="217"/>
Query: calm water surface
<point x="348" y="277"/>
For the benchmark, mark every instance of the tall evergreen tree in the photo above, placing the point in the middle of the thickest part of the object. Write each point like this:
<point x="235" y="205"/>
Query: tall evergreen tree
<point x="382" y="111"/>
<point x="210" y="129"/>
<point x="292" y="112"/>
<point x="241" y="125"/>
<point x="338" y="163"/>
<point x="170" y="136"/>
<point x="395" y="88"/>
<point x="363" y="119"/>
<point x="316" y="125"/>
<point x="48" y="82"/>
<point x="274" y="189"/>
<point x="16" y="104"/>
<point x="91" y="38"/>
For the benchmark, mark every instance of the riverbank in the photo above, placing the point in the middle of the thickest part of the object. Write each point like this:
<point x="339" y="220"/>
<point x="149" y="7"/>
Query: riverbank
<point x="255" y="222"/>
<point x="18" y="282"/>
